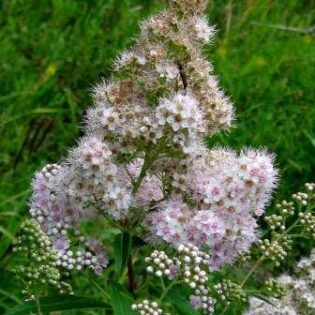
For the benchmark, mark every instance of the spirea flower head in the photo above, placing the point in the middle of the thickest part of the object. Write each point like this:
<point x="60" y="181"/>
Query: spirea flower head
<point x="142" y="159"/>
<point x="230" y="191"/>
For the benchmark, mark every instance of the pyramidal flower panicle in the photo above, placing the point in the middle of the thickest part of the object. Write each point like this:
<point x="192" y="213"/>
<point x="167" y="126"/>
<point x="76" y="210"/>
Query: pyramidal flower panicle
<point x="142" y="158"/>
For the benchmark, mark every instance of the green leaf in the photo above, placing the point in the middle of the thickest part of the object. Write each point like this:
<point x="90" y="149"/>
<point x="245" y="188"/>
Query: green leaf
<point x="121" y="301"/>
<point x="122" y="247"/>
<point x="6" y="233"/>
<point x="309" y="137"/>
<point x="57" y="303"/>
<point x="177" y="298"/>
<point x="10" y="296"/>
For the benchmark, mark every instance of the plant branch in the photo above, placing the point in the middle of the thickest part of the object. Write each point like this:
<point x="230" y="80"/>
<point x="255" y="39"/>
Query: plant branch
<point x="131" y="276"/>
<point x="183" y="75"/>
<point x="166" y="289"/>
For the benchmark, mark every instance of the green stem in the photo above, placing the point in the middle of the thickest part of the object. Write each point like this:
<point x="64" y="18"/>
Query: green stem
<point x="131" y="276"/>
<point x="163" y="284"/>
<point x="96" y="285"/>
<point x="253" y="269"/>
<point x="146" y="165"/>
<point x="166" y="289"/>
<point x="39" y="311"/>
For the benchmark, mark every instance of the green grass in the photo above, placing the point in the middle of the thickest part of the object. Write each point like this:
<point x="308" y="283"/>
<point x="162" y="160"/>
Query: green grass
<point x="51" y="53"/>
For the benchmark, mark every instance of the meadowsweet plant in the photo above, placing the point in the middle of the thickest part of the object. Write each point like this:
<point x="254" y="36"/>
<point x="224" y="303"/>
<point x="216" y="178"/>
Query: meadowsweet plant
<point x="141" y="168"/>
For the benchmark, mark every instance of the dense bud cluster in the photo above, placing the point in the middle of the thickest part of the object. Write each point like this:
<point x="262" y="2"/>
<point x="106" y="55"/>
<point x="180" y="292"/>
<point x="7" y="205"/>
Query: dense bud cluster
<point x="297" y="296"/>
<point x="229" y="291"/>
<point x="39" y="267"/>
<point x="275" y="222"/>
<point x="189" y="266"/>
<point x="147" y="308"/>
<point x="308" y="221"/>
<point x="161" y="265"/>
<point x="283" y="225"/>
<point x="195" y="266"/>
<point x="274" y="288"/>
<point x="276" y="249"/>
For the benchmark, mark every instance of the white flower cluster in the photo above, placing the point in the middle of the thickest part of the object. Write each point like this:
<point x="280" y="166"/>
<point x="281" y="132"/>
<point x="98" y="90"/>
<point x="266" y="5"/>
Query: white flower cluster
<point x="299" y="297"/>
<point x="147" y="308"/>
<point x="183" y="115"/>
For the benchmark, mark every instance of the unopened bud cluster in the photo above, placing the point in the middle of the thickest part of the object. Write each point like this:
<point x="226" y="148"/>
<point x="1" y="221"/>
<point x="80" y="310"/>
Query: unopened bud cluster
<point x="229" y="291"/>
<point x="275" y="222"/>
<point x="39" y="265"/>
<point x="161" y="265"/>
<point x="77" y="261"/>
<point x="147" y="308"/>
<point x="304" y="197"/>
<point x="276" y="249"/>
<point x="190" y="265"/>
<point x="307" y="219"/>
<point x="286" y="207"/>
<point x="274" y="288"/>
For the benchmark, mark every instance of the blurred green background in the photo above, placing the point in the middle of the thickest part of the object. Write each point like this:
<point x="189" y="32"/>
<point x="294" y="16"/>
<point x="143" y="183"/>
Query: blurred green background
<point x="53" y="51"/>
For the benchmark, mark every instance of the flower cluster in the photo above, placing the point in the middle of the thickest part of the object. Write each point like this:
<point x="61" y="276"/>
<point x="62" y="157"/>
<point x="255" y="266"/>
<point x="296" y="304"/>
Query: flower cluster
<point x="59" y="213"/>
<point x="228" y="192"/>
<point x="141" y="166"/>
<point x="142" y="160"/>
<point x="39" y="267"/>
<point x="299" y="293"/>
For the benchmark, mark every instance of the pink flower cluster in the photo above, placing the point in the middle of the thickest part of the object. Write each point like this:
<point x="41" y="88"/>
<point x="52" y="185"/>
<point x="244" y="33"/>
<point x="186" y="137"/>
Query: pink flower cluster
<point x="58" y="213"/>
<point x="142" y="149"/>
<point x="224" y="193"/>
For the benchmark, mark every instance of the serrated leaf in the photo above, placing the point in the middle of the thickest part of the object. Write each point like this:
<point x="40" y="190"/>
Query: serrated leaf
<point x="57" y="303"/>
<point x="121" y="301"/>
<point x="122" y="247"/>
